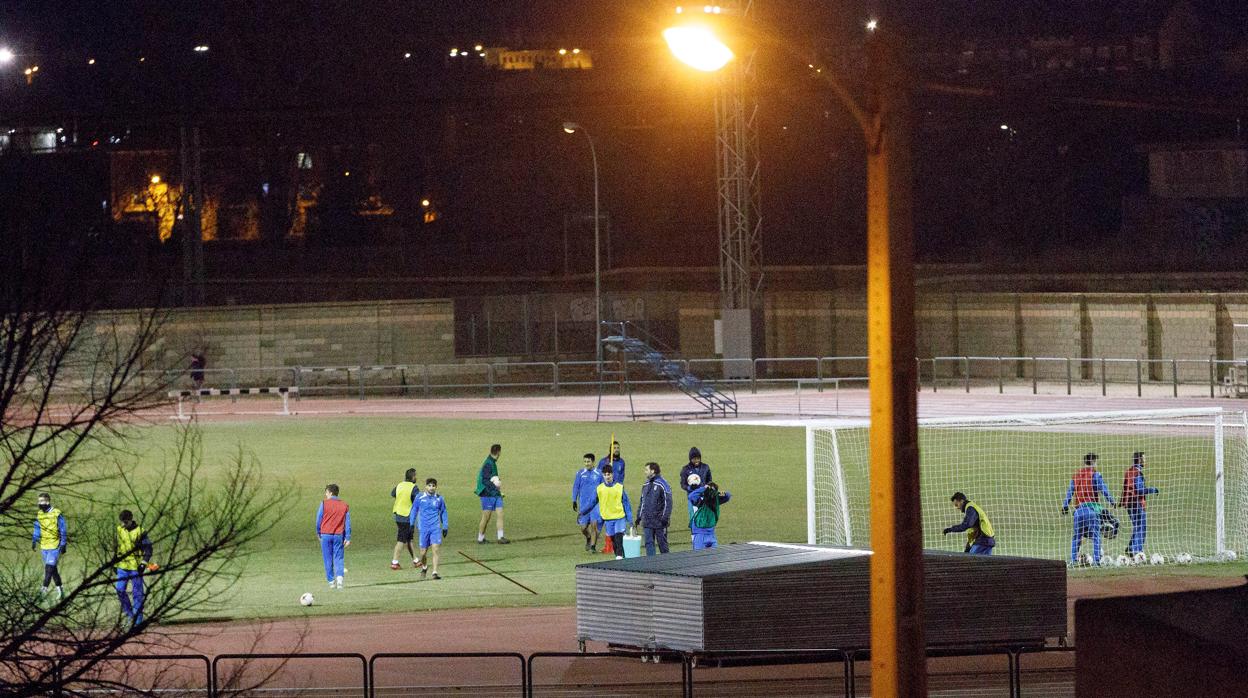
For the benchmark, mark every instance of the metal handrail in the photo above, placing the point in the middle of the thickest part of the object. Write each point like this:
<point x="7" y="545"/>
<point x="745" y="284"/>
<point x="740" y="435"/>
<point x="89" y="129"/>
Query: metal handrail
<point x="1225" y="375"/>
<point x="1014" y="652"/>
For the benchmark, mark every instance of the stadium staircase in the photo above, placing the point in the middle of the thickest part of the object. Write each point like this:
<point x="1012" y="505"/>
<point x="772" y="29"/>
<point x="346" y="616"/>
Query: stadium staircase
<point x="633" y="345"/>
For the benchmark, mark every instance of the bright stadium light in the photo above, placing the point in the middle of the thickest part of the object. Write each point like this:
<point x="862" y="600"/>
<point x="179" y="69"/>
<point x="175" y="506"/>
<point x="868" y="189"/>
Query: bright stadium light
<point x="698" y="47"/>
<point x="6" y="55"/>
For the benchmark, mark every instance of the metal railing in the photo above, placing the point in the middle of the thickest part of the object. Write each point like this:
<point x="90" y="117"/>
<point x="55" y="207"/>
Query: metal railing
<point x="1212" y="377"/>
<point x="1216" y="376"/>
<point x="528" y="680"/>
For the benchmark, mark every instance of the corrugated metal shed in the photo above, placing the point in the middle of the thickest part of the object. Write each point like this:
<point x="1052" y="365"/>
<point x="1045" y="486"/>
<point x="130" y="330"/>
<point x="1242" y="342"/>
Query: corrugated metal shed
<point x="779" y="596"/>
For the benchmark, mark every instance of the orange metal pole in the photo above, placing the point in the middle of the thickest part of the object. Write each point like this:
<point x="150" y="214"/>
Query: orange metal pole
<point x="898" y="656"/>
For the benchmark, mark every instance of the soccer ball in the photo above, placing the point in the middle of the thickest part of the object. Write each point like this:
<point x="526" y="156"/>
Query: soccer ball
<point x="1107" y="561"/>
<point x="1122" y="561"/>
<point x="306" y="599"/>
<point x="694" y="479"/>
<point x="1183" y="558"/>
<point x="1139" y="558"/>
<point x="1088" y="559"/>
<point x="1157" y="559"/>
<point x="1228" y="555"/>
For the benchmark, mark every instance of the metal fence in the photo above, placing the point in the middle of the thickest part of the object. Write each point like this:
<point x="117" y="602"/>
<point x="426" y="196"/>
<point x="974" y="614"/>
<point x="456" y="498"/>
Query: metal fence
<point x="1012" y="671"/>
<point x="1178" y="377"/>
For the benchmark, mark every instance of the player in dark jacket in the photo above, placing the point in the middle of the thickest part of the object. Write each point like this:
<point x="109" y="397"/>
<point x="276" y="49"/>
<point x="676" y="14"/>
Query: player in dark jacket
<point x="695" y="466"/>
<point x="980" y="537"/>
<point x="1133" y="498"/>
<point x="655" y="513"/>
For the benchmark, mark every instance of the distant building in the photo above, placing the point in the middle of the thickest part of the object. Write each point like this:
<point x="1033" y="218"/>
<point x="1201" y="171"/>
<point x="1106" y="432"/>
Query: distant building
<point x="1139" y="40"/>
<point x="504" y="58"/>
<point x="1197" y="192"/>
<point x="45" y="139"/>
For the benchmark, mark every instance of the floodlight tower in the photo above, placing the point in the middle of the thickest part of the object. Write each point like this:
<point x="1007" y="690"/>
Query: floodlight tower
<point x="739" y="200"/>
<point x="738" y="208"/>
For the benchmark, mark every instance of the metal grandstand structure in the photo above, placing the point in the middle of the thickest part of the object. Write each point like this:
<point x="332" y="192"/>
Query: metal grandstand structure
<point x="633" y="346"/>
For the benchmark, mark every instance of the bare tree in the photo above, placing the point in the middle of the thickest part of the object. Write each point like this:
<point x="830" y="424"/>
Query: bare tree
<point x="78" y="386"/>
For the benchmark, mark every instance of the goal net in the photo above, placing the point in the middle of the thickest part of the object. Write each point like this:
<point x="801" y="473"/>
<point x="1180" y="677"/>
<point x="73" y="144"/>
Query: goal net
<point x="1019" y="468"/>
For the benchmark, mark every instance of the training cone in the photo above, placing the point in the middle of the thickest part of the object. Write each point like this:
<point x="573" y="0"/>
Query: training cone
<point x="609" y="548"/>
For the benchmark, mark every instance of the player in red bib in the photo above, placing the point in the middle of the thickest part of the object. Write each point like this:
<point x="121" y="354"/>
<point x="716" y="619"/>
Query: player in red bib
<point x="1086" y="487"/>
<point x="1133" y="498"/>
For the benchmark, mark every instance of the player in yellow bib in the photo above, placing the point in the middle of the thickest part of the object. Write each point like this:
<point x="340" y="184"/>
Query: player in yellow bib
<point x="134" y="556"/>
<point x="614" y="507"/>
<point x="980" y="536"/>
<point x="404" y="495"/>
<point x="50" y="539"/>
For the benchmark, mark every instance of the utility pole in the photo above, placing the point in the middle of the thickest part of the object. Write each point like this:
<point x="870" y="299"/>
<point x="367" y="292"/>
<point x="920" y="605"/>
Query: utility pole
<point x="191" y="223"/>
<point x="898" y="650"/>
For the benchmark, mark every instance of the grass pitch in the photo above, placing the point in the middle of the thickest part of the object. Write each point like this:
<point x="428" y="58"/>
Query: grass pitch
<point x="764" y="468"/>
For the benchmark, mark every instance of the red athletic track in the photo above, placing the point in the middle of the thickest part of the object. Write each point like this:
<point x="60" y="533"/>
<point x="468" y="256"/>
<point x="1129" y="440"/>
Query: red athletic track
<point x="771" y="403"/>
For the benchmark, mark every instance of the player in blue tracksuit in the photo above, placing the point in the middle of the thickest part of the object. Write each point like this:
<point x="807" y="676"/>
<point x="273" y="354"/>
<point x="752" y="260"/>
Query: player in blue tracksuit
<point x="50" y="539"/>
<point x="429" y="517"/>
<point x="333" y="527"/>
<point x="1086" y="487"/>
<point x="584" y="490"/>
<point x="617" y="463"/>
<point x="706" y="501"/>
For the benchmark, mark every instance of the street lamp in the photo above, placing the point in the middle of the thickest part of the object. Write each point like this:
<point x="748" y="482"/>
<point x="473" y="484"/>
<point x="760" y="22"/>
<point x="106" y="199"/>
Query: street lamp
<point x="573" y="127"/>
<point x="898" y="654"/>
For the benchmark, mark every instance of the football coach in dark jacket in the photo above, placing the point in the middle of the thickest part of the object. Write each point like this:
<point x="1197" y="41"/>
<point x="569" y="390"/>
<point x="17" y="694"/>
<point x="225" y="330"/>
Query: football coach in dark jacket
<point x="655" y="513"/>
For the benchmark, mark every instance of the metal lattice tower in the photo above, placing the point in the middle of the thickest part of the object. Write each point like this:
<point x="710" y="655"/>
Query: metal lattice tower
<point x="737" y="177"/>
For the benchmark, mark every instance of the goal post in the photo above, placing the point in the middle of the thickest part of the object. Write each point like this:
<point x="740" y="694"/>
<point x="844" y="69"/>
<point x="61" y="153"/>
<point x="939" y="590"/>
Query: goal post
<point x="1018" y="468"/>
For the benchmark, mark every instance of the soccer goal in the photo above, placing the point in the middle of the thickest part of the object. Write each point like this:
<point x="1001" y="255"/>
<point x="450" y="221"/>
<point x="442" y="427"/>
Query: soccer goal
<point x="1018" y="468"/>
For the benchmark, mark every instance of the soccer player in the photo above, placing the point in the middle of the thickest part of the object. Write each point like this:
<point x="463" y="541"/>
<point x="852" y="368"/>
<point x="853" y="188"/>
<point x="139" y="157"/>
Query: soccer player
<point x="979" y="533"/>
<point x="655" y="512"/>
<point x="614" y="460"/>
<point x="333" y="527"/>
<point x="404" y="495"/>
<point x="1086" y="488"/>
<point x="584" y="489"/>
<point x="706" y="501"/>
<point x="1133" y="494"/>
<point x="614" y="507"/>
<point x="429" y="516"/>
<point x="50" y="539"/>
<point x="695" y="466"/>
<point x="489" y="489"/>
<point x="134" y="555"/>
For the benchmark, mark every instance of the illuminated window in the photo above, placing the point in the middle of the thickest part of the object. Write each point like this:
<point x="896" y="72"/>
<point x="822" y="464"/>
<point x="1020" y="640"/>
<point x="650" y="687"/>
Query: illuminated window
<point x="303" y="161"/>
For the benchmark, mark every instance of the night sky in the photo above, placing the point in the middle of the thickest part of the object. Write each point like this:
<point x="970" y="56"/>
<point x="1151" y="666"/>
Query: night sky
<point x="335" y="70"/>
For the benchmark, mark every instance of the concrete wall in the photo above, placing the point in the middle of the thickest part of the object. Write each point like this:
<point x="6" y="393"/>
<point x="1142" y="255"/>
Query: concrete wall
<point x="1184" y="326"/>
<point x="1051" y="327"/>
<point x="322" y="334"/>
<point x="1118" y="326"/>
<point x="1085" y="327"/>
